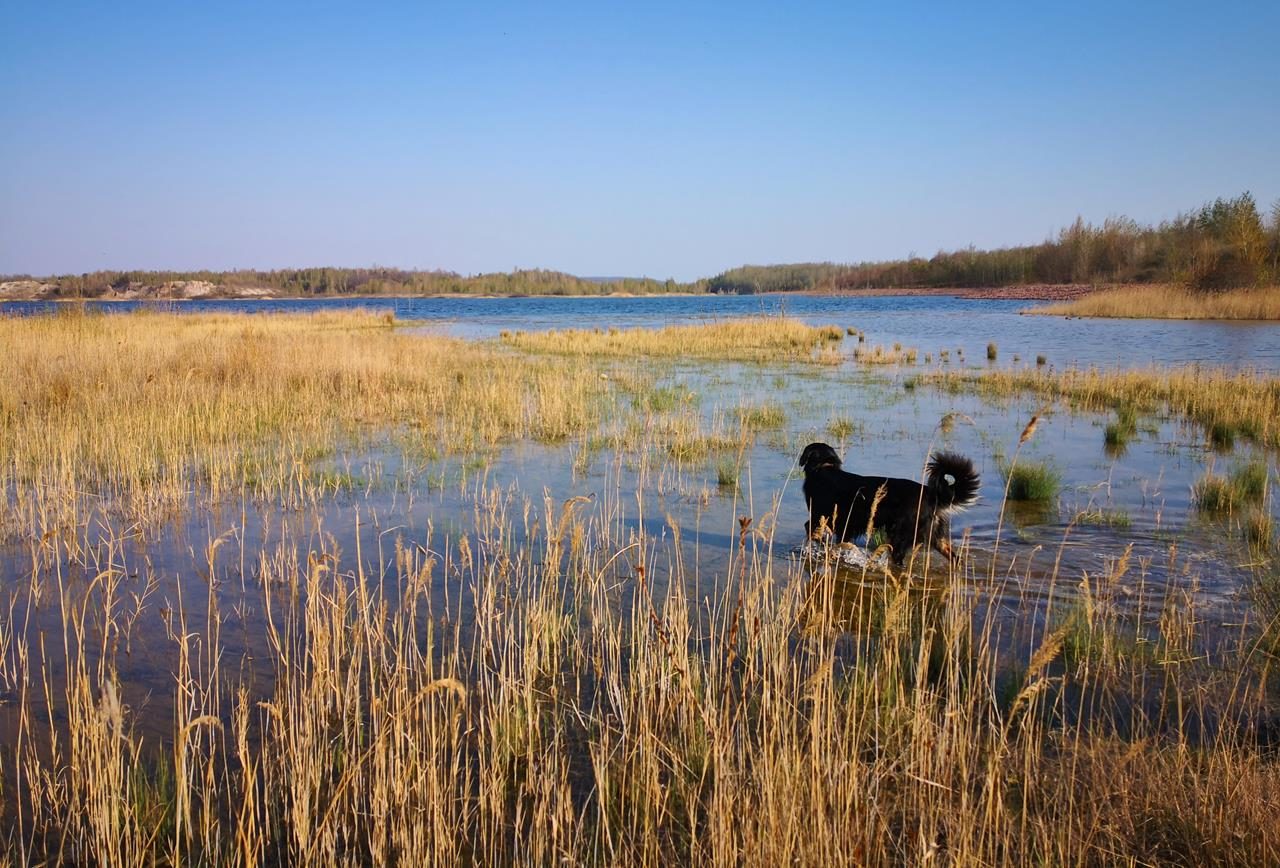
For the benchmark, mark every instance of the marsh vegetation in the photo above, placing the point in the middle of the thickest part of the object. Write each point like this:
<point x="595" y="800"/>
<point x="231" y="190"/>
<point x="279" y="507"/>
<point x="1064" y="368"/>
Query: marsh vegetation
<point x="317" y="589"/>
<point x="755" y="339"/>
<point x="1170" y="302"/>
<point x="1225" y="403"/>
<point x="1226" y="243"/>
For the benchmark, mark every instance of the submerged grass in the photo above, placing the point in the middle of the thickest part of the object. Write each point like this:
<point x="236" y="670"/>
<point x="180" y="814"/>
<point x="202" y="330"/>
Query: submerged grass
<point x="759" y="417"/>
<point x="758" y="339"/>
<point x="881" y="355"/>
<point x="1260" y="531"/>
<point x="723" y="729"/>
<point x="1246" y="486"/>
<point x="1118" y="433"/>
<point x="1029" y="480"/>
<point x="1246" y="403"/>
<point x="842" y="427"/>
<point x="1170" y="302"/>
<point x="145" y="407"/>
<point x="552" y="682"/>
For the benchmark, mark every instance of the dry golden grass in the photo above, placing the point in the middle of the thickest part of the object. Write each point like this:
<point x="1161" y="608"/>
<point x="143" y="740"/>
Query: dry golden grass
<point x="557" y="726"/>
<point x="881" y="355"/>
<point x="1170" y="302"/>
<point x="146" y="407"/>
<point x="1227" y="402"/>
<point x="755" y="339"/>
<point x="542" y="686"/>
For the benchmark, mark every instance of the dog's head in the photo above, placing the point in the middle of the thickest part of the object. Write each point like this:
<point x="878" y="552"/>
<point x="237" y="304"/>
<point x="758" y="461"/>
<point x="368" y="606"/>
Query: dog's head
<point x="817" y="456"/>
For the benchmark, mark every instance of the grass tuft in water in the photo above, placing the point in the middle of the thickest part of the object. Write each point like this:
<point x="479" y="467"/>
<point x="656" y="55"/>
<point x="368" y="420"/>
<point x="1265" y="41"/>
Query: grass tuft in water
<point x="1249" y="482"/>
<point x="841" y="427"/>
<point x="1260" y="531"/>
<point x="727" y="472"/>
<point x="1032" y="481"/>
<point x="762" y="416"/>
<point x="1236" y="402"/>
<point x="665" y="399"/>
<point x="1219" y="495"/>
<point x="759" y="338"/>
<point x="1213" y="494"/>
<point x="1116" y="519"/>
<point x="1118" y="433"/>
<point x="880" y="355"/>
<point x="1222" y="435"/>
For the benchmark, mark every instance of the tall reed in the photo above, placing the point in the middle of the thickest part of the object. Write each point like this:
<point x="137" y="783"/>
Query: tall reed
<point x="145" y="408"/>
<point x="1170" y="302"/>
<point x="1246" y="402"/>
<point x="567" y="680"/>
<point x="761" y="338"/>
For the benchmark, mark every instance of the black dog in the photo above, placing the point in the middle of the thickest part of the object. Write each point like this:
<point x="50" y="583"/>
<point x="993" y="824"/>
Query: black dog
<point x="907" y="512"/>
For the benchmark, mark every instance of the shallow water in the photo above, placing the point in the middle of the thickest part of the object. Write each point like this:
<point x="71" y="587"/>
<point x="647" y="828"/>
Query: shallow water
<point x="1026" y="561"/>
<point x="928" y="323"/>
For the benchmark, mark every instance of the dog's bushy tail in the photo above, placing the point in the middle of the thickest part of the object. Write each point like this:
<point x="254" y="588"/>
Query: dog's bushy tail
<point x="961" y="489"/>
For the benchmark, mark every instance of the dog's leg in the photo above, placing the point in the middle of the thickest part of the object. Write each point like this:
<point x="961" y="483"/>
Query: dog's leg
<point x="940" y="539"/>
<point x="943" y="545"/>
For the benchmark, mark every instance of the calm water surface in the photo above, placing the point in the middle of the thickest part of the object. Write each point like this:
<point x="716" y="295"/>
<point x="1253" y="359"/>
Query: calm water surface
<point x="928" y="323"/>
<point x="1138" y="501"/>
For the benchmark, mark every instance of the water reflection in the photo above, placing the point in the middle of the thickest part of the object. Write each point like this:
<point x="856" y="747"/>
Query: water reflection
<point x="930" y="324"/>
<point x="674" y="517"/>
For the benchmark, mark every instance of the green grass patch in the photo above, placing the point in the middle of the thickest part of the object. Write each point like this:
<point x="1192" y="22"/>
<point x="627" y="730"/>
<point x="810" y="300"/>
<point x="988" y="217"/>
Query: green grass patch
<point x="1222" y="436"/>
<point x="1249" y="482"/>
<point x="842" y="427"/>
<point x="1213" y="494"/>
<point x="1099" y="642"/>
<point x="727" y="473"/>
<point x="1260" y="531"/>
<point x="1219" y="495"/>
<point x="1032" y="481"/>
<point x="664" y="399"/>
<point x="1118" y="433"/>
<point x="762" y="416"/>
<point x="1117" y="519"/>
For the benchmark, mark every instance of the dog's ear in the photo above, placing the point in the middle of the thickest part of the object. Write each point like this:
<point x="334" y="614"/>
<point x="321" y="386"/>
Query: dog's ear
<point x="816" y="453"/>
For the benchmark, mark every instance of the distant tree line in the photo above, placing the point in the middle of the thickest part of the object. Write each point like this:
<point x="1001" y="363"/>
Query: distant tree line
<point x="1227" y="243"/>
<point x="363" y="281"/>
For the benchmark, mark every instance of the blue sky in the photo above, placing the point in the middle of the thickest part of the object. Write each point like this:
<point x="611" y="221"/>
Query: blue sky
<point x="613" y="139"/>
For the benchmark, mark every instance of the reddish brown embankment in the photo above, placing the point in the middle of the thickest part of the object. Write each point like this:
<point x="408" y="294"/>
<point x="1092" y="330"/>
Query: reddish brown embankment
<point x="1029" y="292"/>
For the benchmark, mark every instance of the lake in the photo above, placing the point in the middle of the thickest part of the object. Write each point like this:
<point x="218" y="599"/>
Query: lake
<point x="1026" y="562"/>
<point x="929" y="323"/>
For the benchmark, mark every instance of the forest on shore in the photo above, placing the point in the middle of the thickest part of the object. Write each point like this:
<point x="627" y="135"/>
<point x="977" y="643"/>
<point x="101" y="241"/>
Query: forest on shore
<point x="1225" y="244"/>
<point x="329" y="281"/>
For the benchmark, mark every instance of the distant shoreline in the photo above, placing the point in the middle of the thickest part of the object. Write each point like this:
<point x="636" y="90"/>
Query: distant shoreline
<point x="120" y="298"/>
<point x="1030" y="292"/>
<point x="1040" y="292"/>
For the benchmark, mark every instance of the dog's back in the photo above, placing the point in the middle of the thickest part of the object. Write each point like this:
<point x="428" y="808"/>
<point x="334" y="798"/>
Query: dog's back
<point x="851" y="505"/>
<point x="843" y="499"/>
